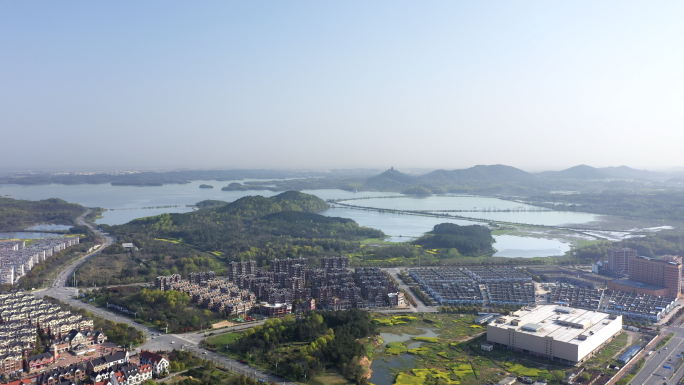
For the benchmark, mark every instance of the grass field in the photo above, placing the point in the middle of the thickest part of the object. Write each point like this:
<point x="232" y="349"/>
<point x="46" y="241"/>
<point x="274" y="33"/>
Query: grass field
<point x="330" y="378"/>
<point x="618" y="344"/>
<point x="222" y="339"/>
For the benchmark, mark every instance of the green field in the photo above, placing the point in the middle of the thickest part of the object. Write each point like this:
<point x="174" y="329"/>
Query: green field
<point x="222" y="340"/>
<point x="617" y="345"/>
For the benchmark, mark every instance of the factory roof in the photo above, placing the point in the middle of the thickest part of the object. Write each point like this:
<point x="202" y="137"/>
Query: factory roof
<point x="560" y="327"/>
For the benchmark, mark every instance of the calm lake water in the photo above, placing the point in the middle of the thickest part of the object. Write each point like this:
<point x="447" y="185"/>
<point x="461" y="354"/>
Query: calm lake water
<point x="26" y="235"/>
<point x="546" y="218"/>
<point x="126" y="203"/>
<point x="527" y="247"/>
<point x="48" y="227"/>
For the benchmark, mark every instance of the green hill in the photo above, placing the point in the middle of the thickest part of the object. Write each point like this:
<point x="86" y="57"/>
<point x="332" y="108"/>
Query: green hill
<point x="472" y="240"/>
<point x="254" y="227"/>
<point x="17" y="214"/>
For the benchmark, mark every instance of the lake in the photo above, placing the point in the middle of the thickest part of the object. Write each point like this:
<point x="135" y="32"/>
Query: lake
<point x="48" y="227"/>
<point x="528" y="247"/>
<point x="437" y="203"/>
<point x="26" y="235"/>
<point x="126" y="203"/>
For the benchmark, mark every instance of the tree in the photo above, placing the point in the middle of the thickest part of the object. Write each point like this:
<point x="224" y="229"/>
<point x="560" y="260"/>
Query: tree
<point x="585" y="376"/>
<point x="558" y="375"/>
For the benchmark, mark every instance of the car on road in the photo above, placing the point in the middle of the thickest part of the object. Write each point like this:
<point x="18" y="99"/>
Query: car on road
<point x="204" y="352"/>
<point x="173" y="342"/>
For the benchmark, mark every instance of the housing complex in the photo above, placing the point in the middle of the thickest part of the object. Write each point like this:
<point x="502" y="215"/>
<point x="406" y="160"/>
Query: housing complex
<point x="290" y="286"/>
<point x="115" y="368"/>
<point x="476" y="285"/>
<point x="642" y="301"/>
<point x="22" y="315"/>
<point x="17" y="259"/>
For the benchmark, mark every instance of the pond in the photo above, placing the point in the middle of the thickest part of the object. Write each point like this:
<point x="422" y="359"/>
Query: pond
<point x="384" y="368"/>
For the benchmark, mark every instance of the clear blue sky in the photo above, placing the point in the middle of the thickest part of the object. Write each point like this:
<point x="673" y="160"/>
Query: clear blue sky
<point x="442" y="84"/>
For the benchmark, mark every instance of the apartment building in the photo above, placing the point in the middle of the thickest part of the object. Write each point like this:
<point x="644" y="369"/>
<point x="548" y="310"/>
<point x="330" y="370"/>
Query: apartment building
<point x="653" y="276"/>
<point x="17" y="259"/>
<point x="618" y="259"/>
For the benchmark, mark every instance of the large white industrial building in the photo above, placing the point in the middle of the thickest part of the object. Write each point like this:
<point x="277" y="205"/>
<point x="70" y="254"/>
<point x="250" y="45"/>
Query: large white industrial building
<point x="555" y="332"/>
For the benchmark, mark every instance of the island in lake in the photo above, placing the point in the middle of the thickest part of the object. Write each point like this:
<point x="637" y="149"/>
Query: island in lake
<point x="206" y="186"/>
<point x="241" y="187"/>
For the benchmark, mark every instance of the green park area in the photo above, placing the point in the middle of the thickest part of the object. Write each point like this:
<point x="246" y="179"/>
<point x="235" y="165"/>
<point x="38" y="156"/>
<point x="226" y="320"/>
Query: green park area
<point x="221" y="340"/>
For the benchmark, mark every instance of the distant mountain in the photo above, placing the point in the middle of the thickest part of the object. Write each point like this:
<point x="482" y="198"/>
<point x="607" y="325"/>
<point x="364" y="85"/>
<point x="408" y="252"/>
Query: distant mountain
<point x="578" y="172"/>
<point x="390" y="180"/>
<point x="497" y="173"/>
<point x="678" y="170"/>
<point x="454" y="181"/>
<point x="628" y="172"/>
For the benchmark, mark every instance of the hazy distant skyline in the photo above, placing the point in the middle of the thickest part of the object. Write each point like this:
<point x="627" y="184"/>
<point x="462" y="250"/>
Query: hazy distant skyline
<point x="167" y="84"/>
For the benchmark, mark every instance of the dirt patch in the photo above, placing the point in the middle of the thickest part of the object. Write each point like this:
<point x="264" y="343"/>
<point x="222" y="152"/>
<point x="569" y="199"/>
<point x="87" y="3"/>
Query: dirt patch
<point x="367" y="363"/>
<point x="222" y="324"/>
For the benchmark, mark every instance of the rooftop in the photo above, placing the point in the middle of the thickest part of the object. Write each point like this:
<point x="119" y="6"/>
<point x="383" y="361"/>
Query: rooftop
<point x="547" y="317"/>
<point x="638" y="285"/>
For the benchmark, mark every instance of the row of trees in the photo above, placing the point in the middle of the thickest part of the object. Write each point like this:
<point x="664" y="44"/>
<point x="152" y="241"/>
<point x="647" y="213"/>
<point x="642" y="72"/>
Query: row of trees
<point x="168" y="308"/>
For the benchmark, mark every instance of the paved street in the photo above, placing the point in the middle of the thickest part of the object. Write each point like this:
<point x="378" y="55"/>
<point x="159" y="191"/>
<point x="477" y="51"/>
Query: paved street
<point x="421" y="308"/>
<point x="653" y="372"/>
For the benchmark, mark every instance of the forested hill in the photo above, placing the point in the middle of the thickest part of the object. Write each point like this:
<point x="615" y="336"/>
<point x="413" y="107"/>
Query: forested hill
<point x="255" y="206"/>
<point x="255" y="228"/>
<point x="16" y="214"/>
<point x="472" y="240"/>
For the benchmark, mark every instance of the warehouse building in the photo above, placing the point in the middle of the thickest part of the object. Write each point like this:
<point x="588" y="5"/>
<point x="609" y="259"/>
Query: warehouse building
<point x="559" y="333"/>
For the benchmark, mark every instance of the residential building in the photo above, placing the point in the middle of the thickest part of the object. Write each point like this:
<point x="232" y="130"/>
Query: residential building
<point x="652" y="276"/>
<point x="618" y="259"/>
<point x="159" y="363"/>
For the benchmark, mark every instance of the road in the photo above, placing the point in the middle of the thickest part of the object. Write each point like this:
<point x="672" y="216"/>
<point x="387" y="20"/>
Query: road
<point x="421" y="308"/>
<point x="155" y="340"/>
<point x="653" y="372"/>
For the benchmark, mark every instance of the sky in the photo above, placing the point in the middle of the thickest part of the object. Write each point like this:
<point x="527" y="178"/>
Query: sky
<point x="538" y="85"/>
